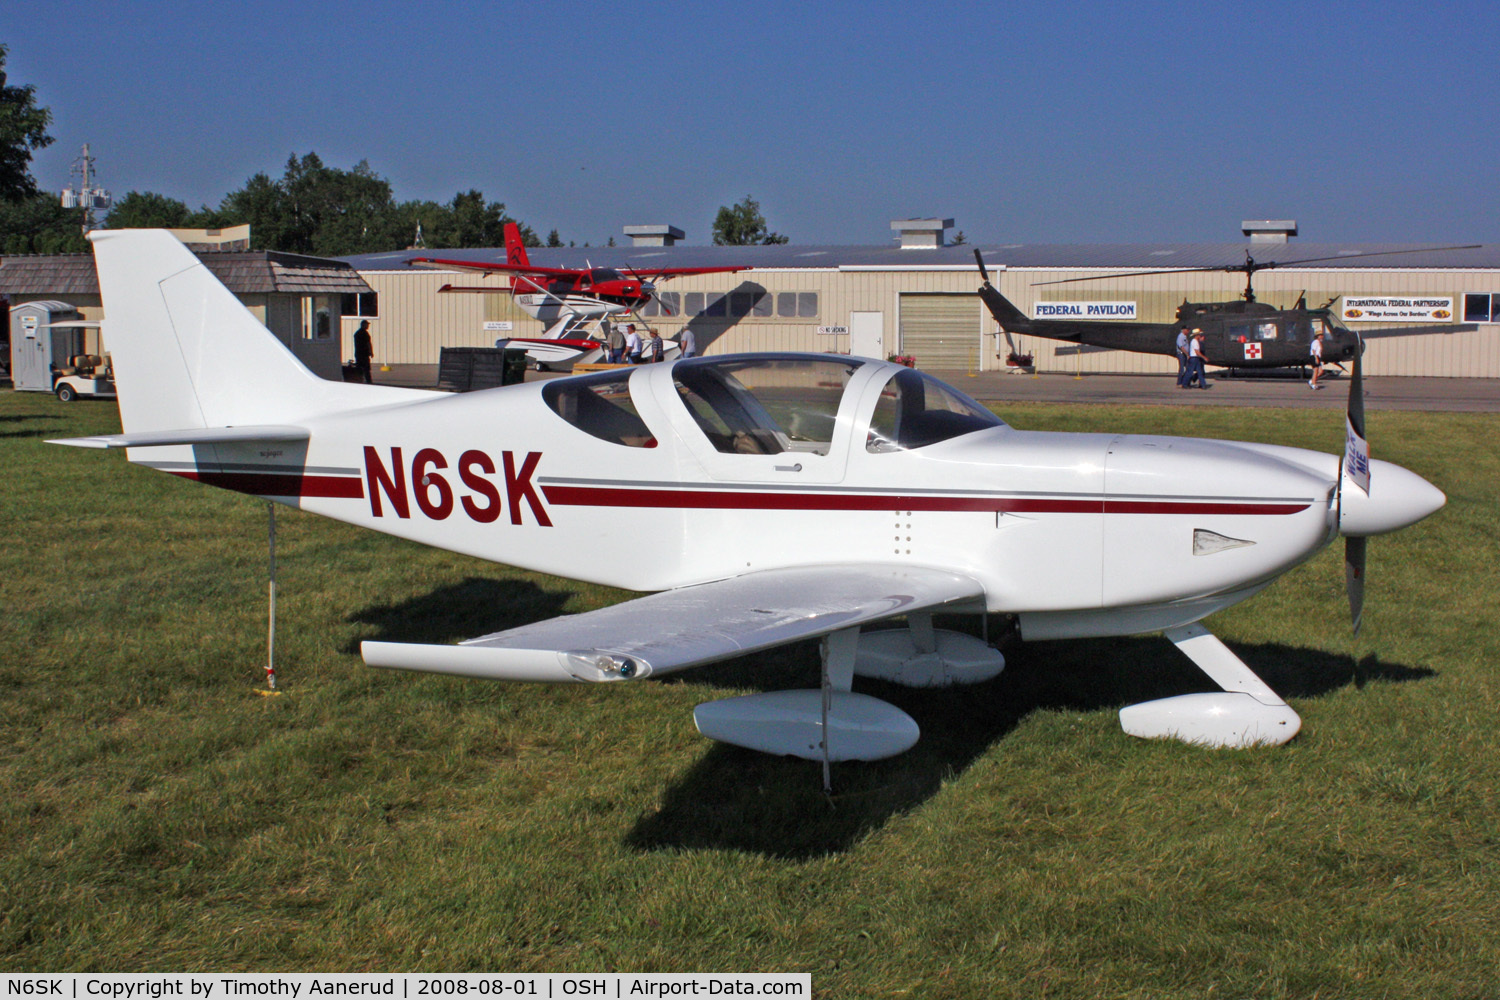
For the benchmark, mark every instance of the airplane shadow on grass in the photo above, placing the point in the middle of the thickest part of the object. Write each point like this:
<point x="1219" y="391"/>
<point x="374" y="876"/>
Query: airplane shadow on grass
<point x="738" y="799"/>
<point x="465" y="610"/>
<point x="7" y="423"/>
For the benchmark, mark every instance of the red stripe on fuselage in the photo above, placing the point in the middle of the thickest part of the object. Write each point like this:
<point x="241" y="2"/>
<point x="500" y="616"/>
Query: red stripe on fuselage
<point x="264" y="484"/>
<point x="606" y="496"/>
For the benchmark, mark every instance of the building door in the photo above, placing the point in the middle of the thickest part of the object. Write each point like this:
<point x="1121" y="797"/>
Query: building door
<point x="942" y="331"/>
<point x="867" y="335"/>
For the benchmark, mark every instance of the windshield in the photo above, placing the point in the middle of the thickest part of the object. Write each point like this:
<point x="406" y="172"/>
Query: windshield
<point x="915" y="411"/>
<point x="765" y="406"/>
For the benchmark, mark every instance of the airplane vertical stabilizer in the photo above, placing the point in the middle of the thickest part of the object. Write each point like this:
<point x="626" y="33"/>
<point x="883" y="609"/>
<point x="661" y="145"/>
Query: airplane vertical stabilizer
<point x="515" y="247"/>
<point x="187" y="353"/>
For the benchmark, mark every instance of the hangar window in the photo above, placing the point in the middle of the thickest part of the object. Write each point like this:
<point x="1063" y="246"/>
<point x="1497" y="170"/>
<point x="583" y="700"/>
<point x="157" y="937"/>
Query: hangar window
<point x="1481" y="307"/>
<point x="915" y="410"/>
<point x="757" y="303"/>
<point x="600" y="405"/>
<point x="801" y="305"/>
<point x="663" y="304"/>
<point x="363" y="304"/>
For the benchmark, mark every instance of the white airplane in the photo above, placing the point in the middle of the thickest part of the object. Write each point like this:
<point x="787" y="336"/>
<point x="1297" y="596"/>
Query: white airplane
<point x="793" y="497"/>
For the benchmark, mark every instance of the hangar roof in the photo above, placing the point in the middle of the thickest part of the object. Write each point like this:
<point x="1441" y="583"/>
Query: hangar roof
<point x="1050" y="256"/>
<point x="244" y="273"/>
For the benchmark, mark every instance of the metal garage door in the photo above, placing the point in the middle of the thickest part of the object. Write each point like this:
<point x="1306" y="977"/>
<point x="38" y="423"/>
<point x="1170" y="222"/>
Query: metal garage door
<point x="941" y="331"/>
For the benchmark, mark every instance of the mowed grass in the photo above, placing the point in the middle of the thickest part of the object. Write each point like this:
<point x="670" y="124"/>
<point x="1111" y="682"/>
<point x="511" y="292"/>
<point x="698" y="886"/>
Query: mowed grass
<point x="159" y="815"/>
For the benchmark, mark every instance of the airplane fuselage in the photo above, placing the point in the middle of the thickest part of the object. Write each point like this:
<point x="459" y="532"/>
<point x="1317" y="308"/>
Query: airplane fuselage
<point x="1052" y="524"/>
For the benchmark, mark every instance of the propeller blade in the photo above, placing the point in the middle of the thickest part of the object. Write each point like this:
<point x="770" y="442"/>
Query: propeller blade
<point x="1354" y="577"/>
<point x="983" y="271"/>
<point x="1354" y="473"/>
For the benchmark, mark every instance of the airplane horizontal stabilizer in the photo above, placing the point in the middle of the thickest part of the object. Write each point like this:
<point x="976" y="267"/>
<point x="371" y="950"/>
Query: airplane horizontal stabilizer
<point x="691" y="626"/>
<point x="189" y="435"/>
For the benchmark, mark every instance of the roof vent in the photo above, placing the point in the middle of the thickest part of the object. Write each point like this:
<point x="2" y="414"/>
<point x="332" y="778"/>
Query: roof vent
<point x="921" y="234"/>
<point x="654" y="236"/>
<point x="1269" y="230"/>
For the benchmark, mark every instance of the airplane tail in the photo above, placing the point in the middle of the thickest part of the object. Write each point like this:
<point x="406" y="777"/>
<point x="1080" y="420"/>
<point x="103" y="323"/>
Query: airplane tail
<point x="187" y="354"/>
<point x="515" y="249"/>
<point x="1004" y="311"/>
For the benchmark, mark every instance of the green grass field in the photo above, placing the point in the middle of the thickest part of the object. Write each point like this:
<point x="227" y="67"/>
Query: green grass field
<point x="159" y="815"/>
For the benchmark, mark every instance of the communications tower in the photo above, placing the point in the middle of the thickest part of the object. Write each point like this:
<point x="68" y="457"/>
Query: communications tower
<point x="87" y="197"/>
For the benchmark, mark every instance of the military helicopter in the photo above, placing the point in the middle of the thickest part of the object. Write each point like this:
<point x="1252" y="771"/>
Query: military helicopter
<point x="1241" y="333"/>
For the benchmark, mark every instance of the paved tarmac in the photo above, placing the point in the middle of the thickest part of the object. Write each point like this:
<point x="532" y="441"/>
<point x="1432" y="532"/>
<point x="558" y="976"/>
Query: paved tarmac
<point x="1442" y="395"/>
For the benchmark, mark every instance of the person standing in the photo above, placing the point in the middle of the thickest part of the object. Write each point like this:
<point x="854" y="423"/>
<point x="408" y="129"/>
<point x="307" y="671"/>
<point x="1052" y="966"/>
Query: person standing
<point x="1196" y="360"/>
<point x="1317" y="359"/>
<point x="364" y="350"/>
<point x="616" y="343"/>
<point x="689" y="342"/>
<point x="1183" y="367"/>
<point x="655" y="350"/>
<point x="632" y="344"/>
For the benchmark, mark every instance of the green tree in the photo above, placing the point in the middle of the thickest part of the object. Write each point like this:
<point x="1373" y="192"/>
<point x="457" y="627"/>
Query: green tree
<point x="316" y="209"/>
<point x="554" y="240"/>
<point x="262" y="204"/>
<point x="470" y="221"/>
<point x="23" y="131"/>
<point x="743" y="225"/>
<point x="147" y="210"/>
<point x="39" y="224"/>
<point x="322" y="210"/>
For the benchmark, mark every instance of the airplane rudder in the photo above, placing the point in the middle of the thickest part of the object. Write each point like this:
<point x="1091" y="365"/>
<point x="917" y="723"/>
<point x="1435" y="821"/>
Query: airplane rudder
<point x="152" y="379"/>
<point x="515" y="247"/>
<point x="188" y="352"/>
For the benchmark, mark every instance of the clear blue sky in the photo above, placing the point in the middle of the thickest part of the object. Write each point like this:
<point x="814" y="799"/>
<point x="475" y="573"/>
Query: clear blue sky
<point x="1025" y="122"/>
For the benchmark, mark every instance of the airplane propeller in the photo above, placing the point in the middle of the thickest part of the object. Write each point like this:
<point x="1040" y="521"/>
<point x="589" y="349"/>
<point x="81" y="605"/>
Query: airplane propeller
<point x="1354" y="472"/>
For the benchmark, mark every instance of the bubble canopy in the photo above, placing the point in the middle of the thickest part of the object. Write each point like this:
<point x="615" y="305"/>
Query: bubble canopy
<point x="772" y="404"/>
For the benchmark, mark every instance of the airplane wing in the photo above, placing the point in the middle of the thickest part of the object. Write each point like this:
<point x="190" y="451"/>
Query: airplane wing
<point x="488" y="267"/>
<point x="656" y="273"/>
<point x="663" y="273"/>
<point x="677" y="629"/>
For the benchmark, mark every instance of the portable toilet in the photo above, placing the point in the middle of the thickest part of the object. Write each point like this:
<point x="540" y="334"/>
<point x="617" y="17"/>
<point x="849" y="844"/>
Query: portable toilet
<point x="43" y="336"/>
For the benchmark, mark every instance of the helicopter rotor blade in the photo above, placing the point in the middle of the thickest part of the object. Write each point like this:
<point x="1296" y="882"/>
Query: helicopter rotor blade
<point x="1355" y="256"/>
<point x="983" y="271"/>
<point x="1251" y="265"/>
<point x="1140" y="274"/>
